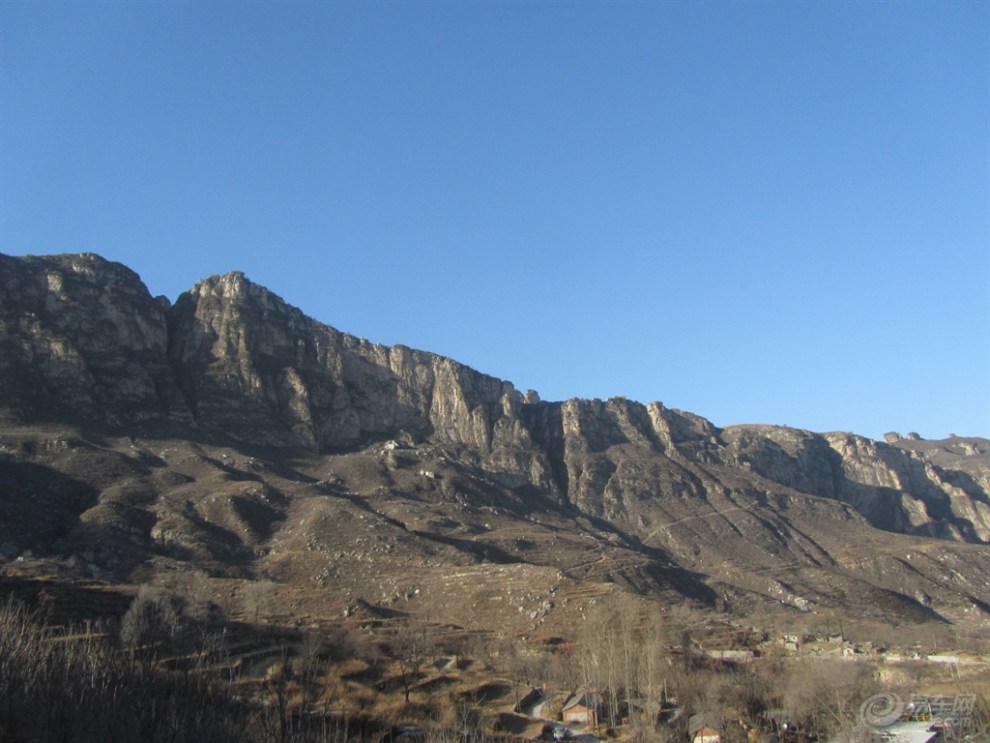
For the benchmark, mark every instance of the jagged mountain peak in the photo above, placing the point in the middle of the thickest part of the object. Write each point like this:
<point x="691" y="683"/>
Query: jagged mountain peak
<point x="233" y="284"/>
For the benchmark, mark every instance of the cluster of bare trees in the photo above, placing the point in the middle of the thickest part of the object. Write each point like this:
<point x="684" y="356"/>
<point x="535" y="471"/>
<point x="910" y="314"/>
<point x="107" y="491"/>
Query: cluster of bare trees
<point x="623" y="651"/>
<point x="645" y="669"/>
<point x="639" y="664"/>
<point x="163" y="674"/>
<point x="56" y="686"/>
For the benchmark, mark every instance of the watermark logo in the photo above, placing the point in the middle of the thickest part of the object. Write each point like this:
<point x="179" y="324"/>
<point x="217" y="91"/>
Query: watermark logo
<point x="951" y="714"/>
<point x="881" y="710"/>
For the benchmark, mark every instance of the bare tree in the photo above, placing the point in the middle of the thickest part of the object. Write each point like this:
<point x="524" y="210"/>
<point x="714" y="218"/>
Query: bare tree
<point x="825" y="695"/>
<point x="412" y="646"/>
<point x="155" y="618"/>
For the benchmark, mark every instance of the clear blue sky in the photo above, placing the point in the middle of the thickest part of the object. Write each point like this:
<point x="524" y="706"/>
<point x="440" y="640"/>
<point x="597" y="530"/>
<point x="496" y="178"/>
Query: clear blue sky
<point x="759" y="212"/>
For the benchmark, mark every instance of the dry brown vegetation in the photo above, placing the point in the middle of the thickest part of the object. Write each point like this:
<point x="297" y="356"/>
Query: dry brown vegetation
<point x="174" y="669"/>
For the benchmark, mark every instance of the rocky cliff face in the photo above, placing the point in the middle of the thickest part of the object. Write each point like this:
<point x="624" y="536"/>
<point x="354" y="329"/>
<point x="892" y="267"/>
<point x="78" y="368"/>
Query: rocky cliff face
<point x="895" y="489"/>
<point x="81" y="339"/>
<point x="253" y="366"/>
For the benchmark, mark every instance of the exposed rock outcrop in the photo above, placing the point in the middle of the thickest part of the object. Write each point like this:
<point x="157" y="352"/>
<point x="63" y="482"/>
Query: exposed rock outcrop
<point x="81" y="338"/>
<point x="255" y="367"/>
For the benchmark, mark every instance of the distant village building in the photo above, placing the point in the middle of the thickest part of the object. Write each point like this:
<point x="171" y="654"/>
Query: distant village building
<point x="733" y="656"/>
<point x="582" y="708"/>
<point x="705" y="728"/>
<point x="899" y="732"/>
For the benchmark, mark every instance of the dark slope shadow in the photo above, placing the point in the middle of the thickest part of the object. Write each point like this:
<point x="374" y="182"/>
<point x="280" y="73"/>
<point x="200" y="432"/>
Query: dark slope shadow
<point x="40" y="505"/>
<point x="663" y="569"/>
<point x="65" y="601"/>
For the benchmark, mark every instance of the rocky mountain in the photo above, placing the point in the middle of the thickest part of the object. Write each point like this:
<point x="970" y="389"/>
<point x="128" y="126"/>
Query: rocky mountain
<point x="232" y="433"/>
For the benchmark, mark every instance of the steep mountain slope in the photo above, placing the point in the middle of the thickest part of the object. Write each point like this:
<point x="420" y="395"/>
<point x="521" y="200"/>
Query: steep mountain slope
<point x="232" y="433"/>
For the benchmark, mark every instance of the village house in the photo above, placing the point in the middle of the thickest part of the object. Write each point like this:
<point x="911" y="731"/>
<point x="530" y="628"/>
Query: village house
<point x="582" y="708"/>
<point x="705" y="728"/>
<point x="731" y="656"/>
<point x="899" y="732"/>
